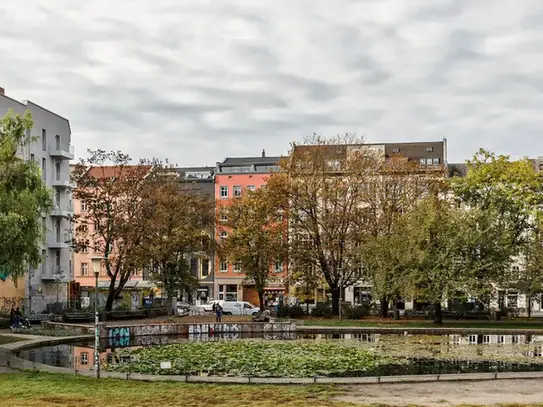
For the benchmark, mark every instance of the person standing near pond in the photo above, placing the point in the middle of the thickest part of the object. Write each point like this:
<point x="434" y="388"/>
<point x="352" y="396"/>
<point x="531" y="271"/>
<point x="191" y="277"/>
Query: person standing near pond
<point x="218" y="312"/>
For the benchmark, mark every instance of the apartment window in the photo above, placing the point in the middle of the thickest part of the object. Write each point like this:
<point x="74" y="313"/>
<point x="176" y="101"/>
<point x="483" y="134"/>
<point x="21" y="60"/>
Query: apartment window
<point x="96" y="248"/>
<point x="135" y="273"/>
<point x="57" y="171"/>
<point x="43" y="139"/>
<point x="223" y="217"/>
<point x="32" y="157"/>
<point x="84" y="358"/>
<point x="237" y="191"/>
<point x="57" y="258"/>
<point x="223" y="266"/>
<point x="278" y="268"/>
<point x="501" y="339"/>
<point x="44" y="169"/>
<point x="205" y="267"/>
<point x="395" y="150"/>
<point x="428" y="161"/>
<point x="57" y="142"/>
<point x="429" y="149"/>
<point x="224" y="192"/>
<point x="512" y="300"/>
<point x="423" y="161"/>
<point x="486" y="339"/>
<point x="84" y="269"/>
<point x="237" y="267"/>
<point x="84" y="249"/>
<point x="473" y="339"/>
<point x="84" y="206"/>
<point x="251" y="188"/>
<point x="436" y="161"/>
<point x="223" y="235"/>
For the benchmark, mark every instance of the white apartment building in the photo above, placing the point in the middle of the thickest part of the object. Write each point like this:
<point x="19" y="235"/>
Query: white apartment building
<point x="52" y="152"/>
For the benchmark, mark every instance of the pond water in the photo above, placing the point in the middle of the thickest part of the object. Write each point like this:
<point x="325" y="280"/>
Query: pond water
<point x="404" y="354"/>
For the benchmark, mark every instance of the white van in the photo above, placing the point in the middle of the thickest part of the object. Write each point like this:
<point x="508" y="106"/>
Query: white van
<point x="239" y="308"/>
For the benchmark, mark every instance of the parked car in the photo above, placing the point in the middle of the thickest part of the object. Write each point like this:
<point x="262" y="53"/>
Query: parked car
<point x="183" y="309"/>
<point x="209" y="306"/>
<point x="239" y="308"/>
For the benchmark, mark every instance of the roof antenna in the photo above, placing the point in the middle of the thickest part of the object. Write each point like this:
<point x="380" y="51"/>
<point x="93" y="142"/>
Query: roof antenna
<point x="263" y="153"/>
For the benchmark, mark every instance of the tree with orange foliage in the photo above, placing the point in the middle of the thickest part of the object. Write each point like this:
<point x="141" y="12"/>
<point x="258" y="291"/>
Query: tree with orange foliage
<point x="114" y="222"/>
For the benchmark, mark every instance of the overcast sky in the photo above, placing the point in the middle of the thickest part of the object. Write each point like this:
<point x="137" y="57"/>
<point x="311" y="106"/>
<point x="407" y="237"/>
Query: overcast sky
<point x="197" y="80"/>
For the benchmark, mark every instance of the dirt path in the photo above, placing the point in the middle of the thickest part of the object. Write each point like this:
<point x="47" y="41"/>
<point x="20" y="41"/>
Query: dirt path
<point x="495" y="392"/>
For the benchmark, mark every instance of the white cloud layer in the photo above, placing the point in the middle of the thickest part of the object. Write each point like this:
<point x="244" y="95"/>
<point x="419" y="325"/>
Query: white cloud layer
<point x="197" y="80"/>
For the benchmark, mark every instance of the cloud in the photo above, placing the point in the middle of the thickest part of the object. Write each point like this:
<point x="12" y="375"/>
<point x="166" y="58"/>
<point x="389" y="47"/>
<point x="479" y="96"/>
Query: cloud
<point x="197" y="80"/>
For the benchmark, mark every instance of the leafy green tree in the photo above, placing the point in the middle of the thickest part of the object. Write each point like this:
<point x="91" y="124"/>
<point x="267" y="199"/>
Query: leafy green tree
<point x="433" y="232"/>
<point x="24" y="197"/>
<point x="256" y="236"/>
<point x="529" y="278"/>
<point x="503" y="198"/>
<point x="394" y="188"/>
<point x="178" y="223"/>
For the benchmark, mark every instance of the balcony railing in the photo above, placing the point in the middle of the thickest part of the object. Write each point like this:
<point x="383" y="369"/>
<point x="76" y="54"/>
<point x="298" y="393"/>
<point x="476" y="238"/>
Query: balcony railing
<point x="62" y="152"/>
<point x="64" y="211"/>
<point x="62" y="181"/>
<point x="59" y="242"/>
<point x="55" y="273"/>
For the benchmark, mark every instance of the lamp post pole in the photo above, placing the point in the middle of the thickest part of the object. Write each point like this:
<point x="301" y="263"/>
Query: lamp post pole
<point x="96" y="328"/>
<point x="96" y="264"/>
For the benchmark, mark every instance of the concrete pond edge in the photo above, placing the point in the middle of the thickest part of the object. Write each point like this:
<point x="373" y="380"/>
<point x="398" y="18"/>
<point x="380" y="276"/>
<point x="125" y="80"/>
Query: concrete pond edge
<point x="8" y="358"/>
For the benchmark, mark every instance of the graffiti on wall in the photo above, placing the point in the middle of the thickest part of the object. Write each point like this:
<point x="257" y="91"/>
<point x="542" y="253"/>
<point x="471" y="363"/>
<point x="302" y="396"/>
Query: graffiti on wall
<point x="119" y="337"/>
<point x="211" y="329"/>
<point x="7" y="303"/>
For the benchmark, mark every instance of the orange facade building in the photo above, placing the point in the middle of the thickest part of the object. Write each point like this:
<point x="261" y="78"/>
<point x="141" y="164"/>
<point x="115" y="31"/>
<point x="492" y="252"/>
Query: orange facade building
<point x="233" y="177"/>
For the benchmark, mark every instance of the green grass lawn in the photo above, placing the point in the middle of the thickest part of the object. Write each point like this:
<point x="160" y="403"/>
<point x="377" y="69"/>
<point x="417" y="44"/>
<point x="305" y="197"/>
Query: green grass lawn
<point x="507" y="324"/>
<point x="46" y="390"/>
<point x="9" y="339"/>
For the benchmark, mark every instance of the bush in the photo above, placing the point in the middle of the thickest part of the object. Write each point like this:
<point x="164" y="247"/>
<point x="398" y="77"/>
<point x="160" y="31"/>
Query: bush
<point x="322" y="310"/>
<point x="356" y="312"/>
<point x="293" y="311"/>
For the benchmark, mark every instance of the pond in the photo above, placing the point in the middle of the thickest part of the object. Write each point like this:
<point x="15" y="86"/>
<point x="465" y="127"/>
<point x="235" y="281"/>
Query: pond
<point x="303" y="355"/>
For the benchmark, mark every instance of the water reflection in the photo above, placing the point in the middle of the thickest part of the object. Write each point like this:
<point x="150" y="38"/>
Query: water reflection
<point x="425" y="354"/>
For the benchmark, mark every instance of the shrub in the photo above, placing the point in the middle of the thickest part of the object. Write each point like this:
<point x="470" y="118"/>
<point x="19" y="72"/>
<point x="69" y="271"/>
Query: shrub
<point x="322" y="310"/>
<point x="293" y="311"/>
<point x="356" y="312"/>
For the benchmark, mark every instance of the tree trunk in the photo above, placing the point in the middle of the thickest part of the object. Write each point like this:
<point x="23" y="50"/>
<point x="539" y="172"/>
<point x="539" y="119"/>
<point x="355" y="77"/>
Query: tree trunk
<point x="529" y="306"/>
<point x="335" y="300"/>
<point x="110" y="299"/>
<point x="438" y="317"/>
<point x="384" y="307"/>
<point x="261" y="299"/>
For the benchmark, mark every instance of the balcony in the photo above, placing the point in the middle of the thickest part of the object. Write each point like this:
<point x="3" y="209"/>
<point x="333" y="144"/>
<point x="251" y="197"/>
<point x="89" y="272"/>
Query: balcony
<point x="62" y="181"/>
<point x="62" y="211"/>
<point x="57" y="274"/>
<point x="62" y="153"/>
<point x="59" y="242"/>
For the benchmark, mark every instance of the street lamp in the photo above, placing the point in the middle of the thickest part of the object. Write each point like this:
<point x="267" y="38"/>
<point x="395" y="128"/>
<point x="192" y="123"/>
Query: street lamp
<point x="96" y="264"/>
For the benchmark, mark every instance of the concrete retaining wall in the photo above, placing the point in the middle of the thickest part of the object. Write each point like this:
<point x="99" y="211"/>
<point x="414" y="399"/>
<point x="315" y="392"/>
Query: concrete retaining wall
<point x="414" y="331"/>
<point x="174" y="329"/>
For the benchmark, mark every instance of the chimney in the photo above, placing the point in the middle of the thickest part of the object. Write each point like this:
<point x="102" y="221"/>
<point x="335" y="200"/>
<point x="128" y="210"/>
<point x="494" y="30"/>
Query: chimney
<point x="2" y="91"/>
<point x="263" y="153"/>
